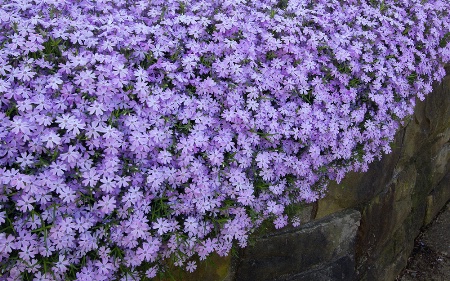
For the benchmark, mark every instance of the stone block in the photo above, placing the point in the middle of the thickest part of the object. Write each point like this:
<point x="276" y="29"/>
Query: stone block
<point x="284" y="255"/>
<point x="336" y="270"/>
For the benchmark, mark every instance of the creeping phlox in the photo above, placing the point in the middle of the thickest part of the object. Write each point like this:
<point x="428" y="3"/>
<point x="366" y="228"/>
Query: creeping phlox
<point x="137" y="134"/>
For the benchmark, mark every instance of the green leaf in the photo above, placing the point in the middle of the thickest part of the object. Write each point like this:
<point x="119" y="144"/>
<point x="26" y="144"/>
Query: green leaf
<point x="445" y="40"/>
<point x="272" y="13"/>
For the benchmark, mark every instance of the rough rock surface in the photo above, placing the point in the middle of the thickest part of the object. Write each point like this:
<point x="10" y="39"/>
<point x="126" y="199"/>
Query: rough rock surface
<point x="291" y="255"/>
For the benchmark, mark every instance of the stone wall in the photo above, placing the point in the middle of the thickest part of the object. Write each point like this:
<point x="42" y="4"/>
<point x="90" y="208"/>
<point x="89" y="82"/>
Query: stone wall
<point x="365" y="228"/>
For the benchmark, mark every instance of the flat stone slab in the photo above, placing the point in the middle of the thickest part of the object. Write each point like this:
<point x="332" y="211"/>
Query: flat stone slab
<point x="308" y="252"/>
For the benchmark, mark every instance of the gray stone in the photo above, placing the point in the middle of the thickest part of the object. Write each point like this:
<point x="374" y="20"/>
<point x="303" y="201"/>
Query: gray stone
<point x="286" y="255"/>
<point x="340" y="269"/>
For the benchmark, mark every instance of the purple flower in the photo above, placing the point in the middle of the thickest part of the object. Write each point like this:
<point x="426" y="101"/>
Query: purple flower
<point x="51" y="139"/>
<point x="107" y="204"/>
<point x="191" y="266"/>
<point x="280" y="221"/>
<point x="161" y="225"/>
<point x="25" y="204"/>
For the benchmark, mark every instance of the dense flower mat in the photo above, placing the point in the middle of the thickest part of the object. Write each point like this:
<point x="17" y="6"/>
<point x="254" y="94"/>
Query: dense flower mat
<point x="137" y="134"/>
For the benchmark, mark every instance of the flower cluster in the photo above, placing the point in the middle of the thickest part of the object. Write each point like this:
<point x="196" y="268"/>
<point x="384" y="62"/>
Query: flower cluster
<point x="137" y="132"/>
